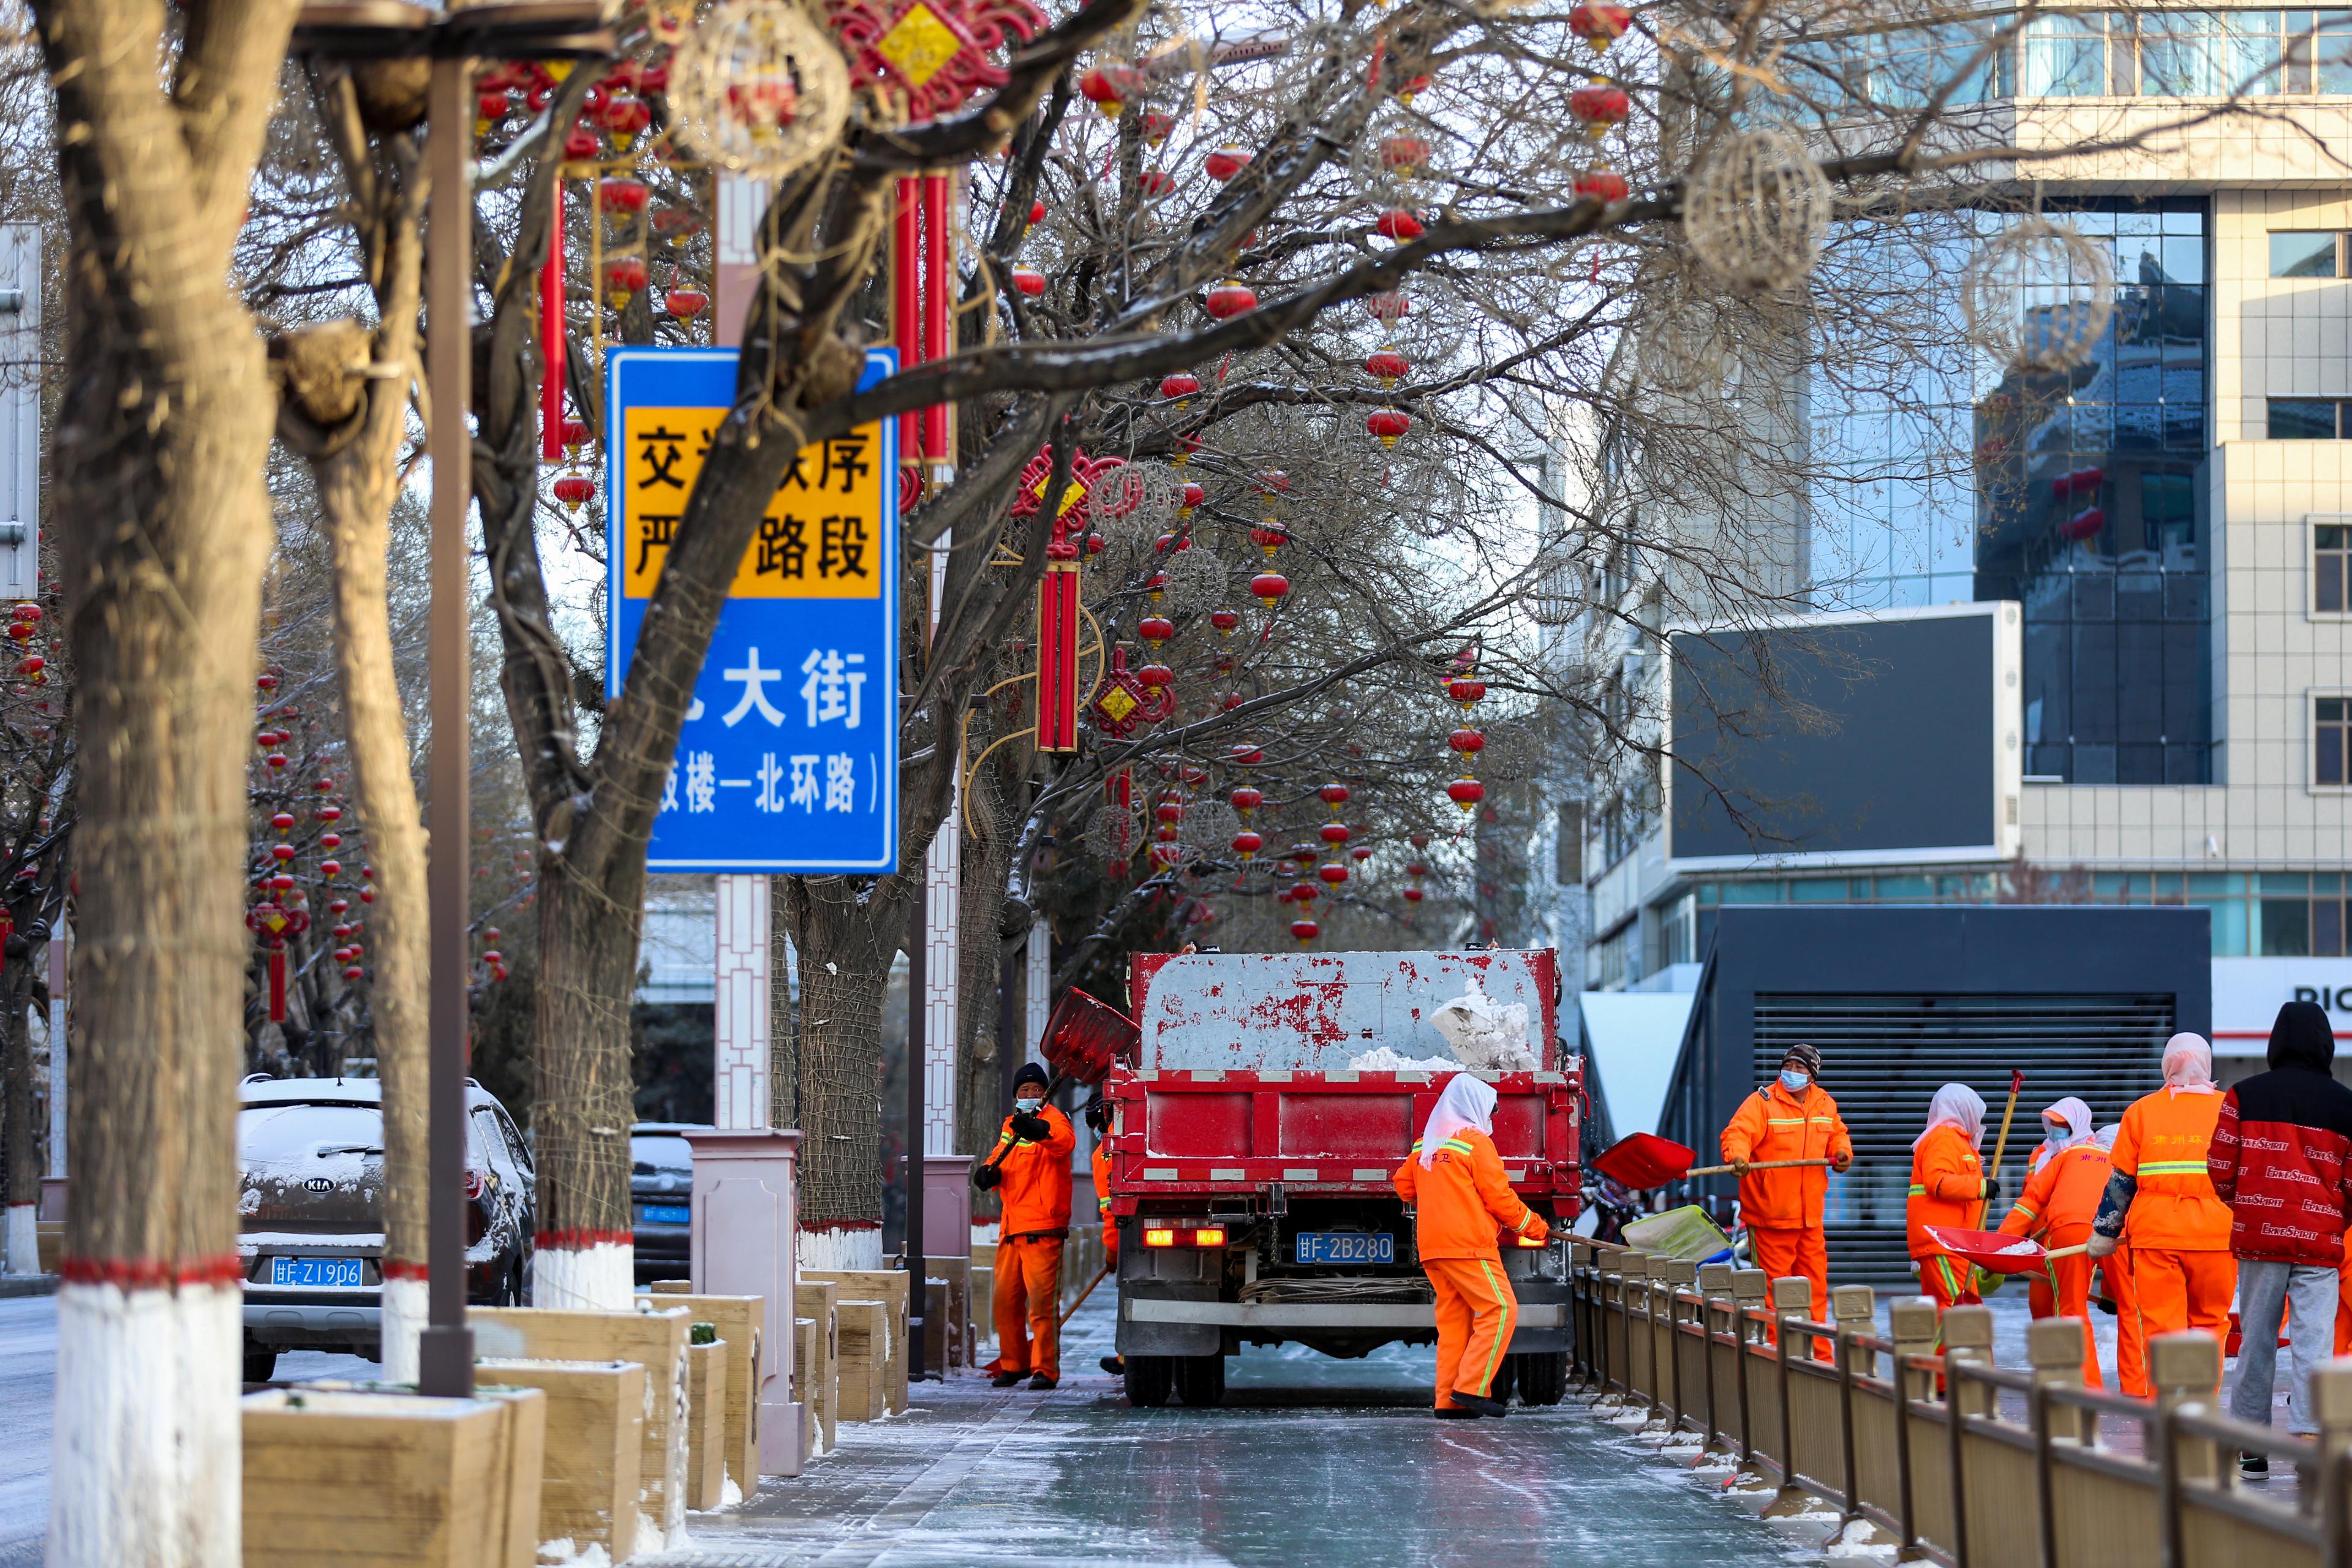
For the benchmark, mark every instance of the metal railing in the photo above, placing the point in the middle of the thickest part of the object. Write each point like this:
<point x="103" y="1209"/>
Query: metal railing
<point x="1955" y="1459"/>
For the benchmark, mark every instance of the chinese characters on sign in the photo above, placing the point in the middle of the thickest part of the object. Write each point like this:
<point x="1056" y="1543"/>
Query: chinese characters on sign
<point x="787" y="761"/>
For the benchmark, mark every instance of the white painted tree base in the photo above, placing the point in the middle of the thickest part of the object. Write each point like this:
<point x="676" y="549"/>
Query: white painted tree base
<point x="20" y="1246"/>
<point x="837" y="1250"/>
<point x="148" y="1455"/>
<point x="599" y="1279"/>
<point x="406" y="1304"/>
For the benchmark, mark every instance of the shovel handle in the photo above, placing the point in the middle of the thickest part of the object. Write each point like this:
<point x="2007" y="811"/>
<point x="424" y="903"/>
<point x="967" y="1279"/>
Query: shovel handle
<point x="2074" y="1251"/>
<point x="1753" y="1165"/>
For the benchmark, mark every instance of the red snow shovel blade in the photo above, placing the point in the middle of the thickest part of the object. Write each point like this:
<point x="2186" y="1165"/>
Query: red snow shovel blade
<point x="1990" y="1250"/>
<point x="1639" y="1161"/>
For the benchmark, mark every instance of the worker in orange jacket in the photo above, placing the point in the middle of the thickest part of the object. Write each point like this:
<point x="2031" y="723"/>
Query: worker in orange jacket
<point x="2060" y="1200"/>
<point x="1462" y="1204"/>
<point x="2160" y="1201"/>
<point x="1099" y="1120"/>
<point x="1948" y="1188"/>
<point x="1035" y="1174"/>
<point x="1791" y="1117"/>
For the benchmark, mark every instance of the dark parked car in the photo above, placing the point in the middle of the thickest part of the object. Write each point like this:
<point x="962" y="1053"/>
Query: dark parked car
<point x="310" y="1217"/>
<point x="661" y="1193"/>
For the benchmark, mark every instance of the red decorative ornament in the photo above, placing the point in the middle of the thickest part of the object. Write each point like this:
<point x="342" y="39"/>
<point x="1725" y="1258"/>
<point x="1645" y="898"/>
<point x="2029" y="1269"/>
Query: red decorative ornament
<point x="367" y="894"/>
<point x="1404" y="153"/>
<point x="1467" y="742"/>
<point x="1245" y="754"/>
<point x="1180" y="386"/>
<point x="330" y="868"/>
<point x="489" y="107"/>
<point x="1156" y="185"/>
<point x="580" y="146"/>
<point x="275" y="759"/>
<point x="1465" y="690"/>
<point x="283" y="821"/>
<point x="1230" y="299"/>
<point x="622" y="195"/>
<point x="1600" y="109"/>
<point x="354" y="973"/>
<point x="266" y="682"/>
<point x="1387" y="425"/>
<point x="1157" y="124"/>
<point x="1270" y="587"/>
<point x="1225" y="620"/>
<point x="574" y="491"/>
<point x="1246" y="798"/>
<point x="624" y="276"/>
<point x="1169" y="811"/>
<point x="1126" y="703"/>
<point x="1194" y="496"/>
<point x="686" y="303"/>
<point x="1413" y="895"/>
<point x="1465" y="793"/>
<point x="1334" y="795"/>
<point x="1387" y="366"/>
<point x="1246" y="844"/>
<point x="1332" y="873"/>
<point x="1270" y="536"/>
<point x="624" y="119"/>
<point x="1304" y="930"/>
<point x="1158" y="676"/>
<point x="1397" y="223"/>
<point x="1363" y="852"/>
<point x="1155" y="631"/>
<point x="1390" y="306"/>
<point x="1109" y="88"/>
<point x="328" y="814"/>
<point x="1603" y="185"/>
<point x="1225" y="162"/>
<point x="933" y="55"/>
<point x="1029" y="282"/>
<point x="1419" y="841"/>
<point x="574" y="436"/>
<point x="1334" y="833"/>
<point x="1597" y="24"/>
<point x="1036" y="213"/>
<point x="2085" y="524"/>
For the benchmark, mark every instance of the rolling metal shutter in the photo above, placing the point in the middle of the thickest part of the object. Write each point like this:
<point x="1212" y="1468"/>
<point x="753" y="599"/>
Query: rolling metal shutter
<point x="1884" y="1057"/>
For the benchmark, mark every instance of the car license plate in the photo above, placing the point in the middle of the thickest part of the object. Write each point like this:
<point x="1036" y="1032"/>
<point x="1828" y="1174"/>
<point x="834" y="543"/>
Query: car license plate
<point x="666" y="1214"/>
<point x="315" y="1273"/>
<point x="1346" y="1246"/>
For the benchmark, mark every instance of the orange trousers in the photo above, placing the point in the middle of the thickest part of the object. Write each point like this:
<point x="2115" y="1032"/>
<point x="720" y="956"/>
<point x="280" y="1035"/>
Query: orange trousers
<point x="1948" y="1280"/>
<point x="1795" y="1255"/>
<point x="2131" y="1344"/>
<point x="2175" y="1290"/>
<point x="1476" y="1314"/>
<point x="1028" y="1296"/>
<point x="2072" y="1299"/>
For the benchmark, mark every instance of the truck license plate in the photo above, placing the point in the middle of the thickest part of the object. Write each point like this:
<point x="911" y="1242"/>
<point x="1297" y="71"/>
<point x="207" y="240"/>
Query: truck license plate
<point x="1346" y="1246"/>
<point x="316" y="1273"/>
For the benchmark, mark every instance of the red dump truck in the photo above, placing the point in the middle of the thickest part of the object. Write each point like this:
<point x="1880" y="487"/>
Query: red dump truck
<point x="1251" y="1162"/>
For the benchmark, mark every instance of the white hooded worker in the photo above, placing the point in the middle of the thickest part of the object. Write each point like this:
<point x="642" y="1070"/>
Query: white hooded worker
<point x="1462" y="1205"/>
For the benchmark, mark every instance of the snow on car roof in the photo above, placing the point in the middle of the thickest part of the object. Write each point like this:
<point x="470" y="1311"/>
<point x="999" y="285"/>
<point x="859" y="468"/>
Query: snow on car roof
<point x="260" y="1090"/>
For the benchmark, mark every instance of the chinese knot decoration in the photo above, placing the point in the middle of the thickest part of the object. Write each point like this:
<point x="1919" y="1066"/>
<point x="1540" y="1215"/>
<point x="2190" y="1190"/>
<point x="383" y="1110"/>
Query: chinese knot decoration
<point x="933" y="53"/>
<point x="1058" y="696"/>
<point x="1128" y="701"/>
<point x="275" y="924"/>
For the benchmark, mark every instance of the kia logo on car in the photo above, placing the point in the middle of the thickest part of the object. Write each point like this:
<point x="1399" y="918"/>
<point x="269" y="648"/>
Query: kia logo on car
<point x="320" y="1185"/>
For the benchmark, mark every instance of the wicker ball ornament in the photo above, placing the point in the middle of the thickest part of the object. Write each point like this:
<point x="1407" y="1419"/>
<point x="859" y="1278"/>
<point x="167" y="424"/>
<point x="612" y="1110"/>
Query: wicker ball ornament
<point x="759" y="88"/>
<point x="1115" y="836"/>
<point x="1755" y="212"/>
<point x="2038" y="297"/>
<point x="1196" y="582"/>
<point x="1208" y="829"/>
<point x="1147" y="497"/>
<point x="1681" y="346"/>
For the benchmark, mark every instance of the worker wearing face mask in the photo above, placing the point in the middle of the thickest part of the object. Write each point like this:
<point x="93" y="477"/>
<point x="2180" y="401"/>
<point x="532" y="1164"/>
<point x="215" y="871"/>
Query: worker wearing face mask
<point x="1099" y="1122"/>
<point x="1791" y="1117"/>
<point x="2060" y="1200"/>
<point x="1948" y="1189"/>
<point x="1034" y="1173"/>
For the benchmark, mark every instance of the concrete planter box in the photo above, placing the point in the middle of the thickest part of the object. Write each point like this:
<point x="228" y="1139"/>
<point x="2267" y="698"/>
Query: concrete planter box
<point x="595" y="1440"/>
<point x="336" y="1478"/>
<point x="739" y="1320"/>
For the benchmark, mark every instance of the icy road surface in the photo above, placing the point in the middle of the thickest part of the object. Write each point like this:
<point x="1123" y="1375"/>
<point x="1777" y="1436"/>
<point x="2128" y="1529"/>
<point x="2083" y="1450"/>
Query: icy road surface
<point x="1309" y="1462"/>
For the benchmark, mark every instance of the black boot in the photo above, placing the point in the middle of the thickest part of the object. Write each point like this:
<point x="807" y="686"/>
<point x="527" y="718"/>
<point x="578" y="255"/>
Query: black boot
<point x="1479" y="1404"/>
<point x="1454" y="1413"/>
<point x="1115" y="1365"/>
<point x="1006" y="1379"/>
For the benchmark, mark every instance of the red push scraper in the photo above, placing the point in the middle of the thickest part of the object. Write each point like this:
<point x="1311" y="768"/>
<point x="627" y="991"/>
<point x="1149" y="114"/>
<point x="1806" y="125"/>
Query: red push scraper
<point x="1639" y="1161"/>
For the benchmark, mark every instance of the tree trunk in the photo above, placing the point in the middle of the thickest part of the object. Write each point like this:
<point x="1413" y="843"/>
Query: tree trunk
<point x="979" y="1063"/>
<point x="581" y="1096"/>
<point x="846" y="943"/>
<point x="160" y="456"/>
<point x="19" y="1251"/>
<point x="784" y="1019"/>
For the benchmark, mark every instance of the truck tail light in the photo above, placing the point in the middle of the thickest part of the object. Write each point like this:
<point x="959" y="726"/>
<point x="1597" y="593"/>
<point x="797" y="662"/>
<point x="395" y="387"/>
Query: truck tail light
<point x="1158" y="1238"/>
<point x="1209" y="1236"/>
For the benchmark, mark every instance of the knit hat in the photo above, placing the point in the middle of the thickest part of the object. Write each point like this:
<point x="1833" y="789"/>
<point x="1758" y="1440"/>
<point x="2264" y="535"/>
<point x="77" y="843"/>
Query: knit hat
<point x="1804" y="1056"/>
<point x="1031" y="1072"/>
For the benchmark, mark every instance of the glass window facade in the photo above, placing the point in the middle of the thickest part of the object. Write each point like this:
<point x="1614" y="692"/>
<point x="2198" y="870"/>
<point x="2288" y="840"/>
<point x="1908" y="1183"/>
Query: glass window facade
<point x="2082" y="495"/>
<point x="2331" y="554"/>
<point x="2331" y="740"/>
<point x="2304" y="253"/>
<point x="2303" y="419"/>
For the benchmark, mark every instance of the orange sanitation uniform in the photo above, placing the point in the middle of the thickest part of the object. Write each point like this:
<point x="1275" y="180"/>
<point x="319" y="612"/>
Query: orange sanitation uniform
<point x="1027" y="1292"/>
<point x="1460" y="1205"/>
<point x="2131" y="1344"/>
<point x="1946" y="1188"/>
<point x="1783" y="1208"/>
<point x="2179" y="1229"/>
<point x="1101" y="1163"/>
<point x="2060" y="1200"/>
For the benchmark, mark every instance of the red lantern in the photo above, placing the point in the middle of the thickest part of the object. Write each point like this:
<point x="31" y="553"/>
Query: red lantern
<point x="1106" y="89"/>
<point x="2085" y="524"/>
<point x="331" y="841"/>
<point x="330" y="868"/>
<point x="281" y="881"/>
<point x="1413" y="895"/>
<point x="1029" y="282"/>
<point x="581" y="146"/>
<point x="1230" y="299"/>
<point x="686" y="303"/>
<point x="1598" y="109"/>
<point x="574" y="491"/>
<point x="1334" y="833"/>
<point x="1194" y="496"/>
<point x="328" y="814"/>
<point x="1603" y="185"/>
<point x="1225" y="620"/>
<point x="283" y="821"/>
<point x="1465" y="690"/>
<point x="622" y="195"/>
<point x="1036" y="213"/>
<point x="1155" y="183"/>
<point x="1597" y="24"/>
<point x="1180" y="386"/>
<point x="624" y="118"/>
<point x="266" y="682"/>
<point x="1157" y="124"/>
<point x="1363" y="852"/>
<point x="1465" y="793"/>
<point x="1390" y="306"/>
<point x="1420" y="841"/>
<point x="1332" y="873"/>
<point x="1225" y="162"/>
<point x="1403" y="154"/>
<point x="1304" y="930"/>
<point x="1155" y="631"/>
<point x="1246" y="844"/>
<point x="1270" y="537"/>
<point x="1397" y="223"/>
<point x="1269" y="587"/>
<point x="1334" y="795"/>
<point x="1246" y="798"/>
<point x="624" y="276"/>
<point x="1387" y="366"/>
<point x="275" y="759"/>
<point x="1387" y="425"/>
<point x="1247" y="755"/>
<point x="1469" y="743"/>
<point x="575" y="436"/>
<point x="1169" y="811"/>
<point x="353" y="972"/>
<point x="489" y="107"/>
<point x="1156" y="676"/>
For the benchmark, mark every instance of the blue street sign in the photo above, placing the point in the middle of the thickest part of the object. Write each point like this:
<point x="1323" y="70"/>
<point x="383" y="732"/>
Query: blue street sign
<point x="789" y="757"/>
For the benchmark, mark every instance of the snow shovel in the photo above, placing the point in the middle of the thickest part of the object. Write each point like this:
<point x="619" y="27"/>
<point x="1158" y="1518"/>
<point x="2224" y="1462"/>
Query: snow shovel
<point x="1997" y="1252"/>
<point x="1085" y="1039"/>
<point x="1641" y="1161"/>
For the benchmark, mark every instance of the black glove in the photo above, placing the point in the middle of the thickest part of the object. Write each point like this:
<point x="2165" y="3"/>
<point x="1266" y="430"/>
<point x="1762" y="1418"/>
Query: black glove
<point x="1036" y="1129"/>
<point x="986" y="1177"/>
<point x="1992" y="1192"/>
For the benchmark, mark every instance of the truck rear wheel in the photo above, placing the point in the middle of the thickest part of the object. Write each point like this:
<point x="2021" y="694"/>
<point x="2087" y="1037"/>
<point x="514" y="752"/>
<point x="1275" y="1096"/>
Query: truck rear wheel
<point x="1542" y="1376"/>
<point x="1147" y="1379"/>
<point x="1200" y="1379"/>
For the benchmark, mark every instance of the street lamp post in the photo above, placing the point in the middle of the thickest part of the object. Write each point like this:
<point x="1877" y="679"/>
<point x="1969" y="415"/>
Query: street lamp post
<point x="453" y="40"/>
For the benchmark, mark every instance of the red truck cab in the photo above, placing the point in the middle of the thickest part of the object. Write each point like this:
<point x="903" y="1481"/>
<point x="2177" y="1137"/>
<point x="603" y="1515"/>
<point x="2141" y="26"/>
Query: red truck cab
<point x="1252" y="1166"/>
